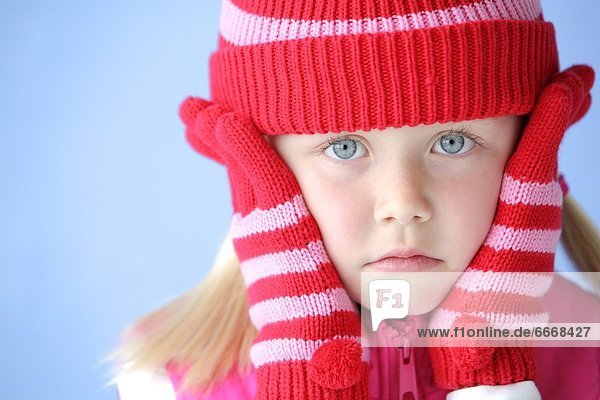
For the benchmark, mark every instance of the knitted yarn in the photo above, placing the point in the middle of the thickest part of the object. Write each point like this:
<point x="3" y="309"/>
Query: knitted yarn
<point x="316" y="66"/>
<point x="523" y="238"/>
<point x="309" y="332"/>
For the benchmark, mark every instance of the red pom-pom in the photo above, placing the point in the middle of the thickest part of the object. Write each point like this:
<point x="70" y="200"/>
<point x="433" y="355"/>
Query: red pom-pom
<point x="337" y="364"/>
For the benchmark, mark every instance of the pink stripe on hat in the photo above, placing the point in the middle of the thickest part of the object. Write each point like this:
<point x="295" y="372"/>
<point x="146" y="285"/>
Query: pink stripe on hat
<point x="242" y="28"/>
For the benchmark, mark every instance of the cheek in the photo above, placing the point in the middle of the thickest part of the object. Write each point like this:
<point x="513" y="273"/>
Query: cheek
<point x="469" y="208"/>
<point x="338" y="208"/>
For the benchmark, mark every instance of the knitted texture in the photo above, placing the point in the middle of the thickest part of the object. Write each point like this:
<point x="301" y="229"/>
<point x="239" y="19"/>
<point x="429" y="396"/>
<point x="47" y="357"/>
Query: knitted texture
<point x="308" y="341"/>
<point x="523" y="238"/>
<point x="317" y="66"/>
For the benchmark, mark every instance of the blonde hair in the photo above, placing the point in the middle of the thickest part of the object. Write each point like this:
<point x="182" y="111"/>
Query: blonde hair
<point x="211" y="332"/>
<point x="580" y="239"/>
<point x="207" y="328"/>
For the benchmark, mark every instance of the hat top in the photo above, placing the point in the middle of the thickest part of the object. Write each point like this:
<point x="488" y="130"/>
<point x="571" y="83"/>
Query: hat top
<point x="244" y="23"/>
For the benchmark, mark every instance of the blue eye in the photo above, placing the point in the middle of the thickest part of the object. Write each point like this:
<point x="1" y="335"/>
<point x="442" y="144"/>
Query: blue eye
<point x="342" y="148"/>
<point x="454" y="142"/>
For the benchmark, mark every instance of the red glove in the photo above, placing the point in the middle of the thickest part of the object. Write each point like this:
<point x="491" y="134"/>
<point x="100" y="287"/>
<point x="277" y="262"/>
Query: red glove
<point x="523" y="238"/>
<point x="309" y="331"/>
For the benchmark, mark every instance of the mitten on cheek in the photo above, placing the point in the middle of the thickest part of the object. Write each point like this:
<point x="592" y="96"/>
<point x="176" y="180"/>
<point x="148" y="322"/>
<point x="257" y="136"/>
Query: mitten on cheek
<point x="512" y="269"/>
<point x="308" y="344"/>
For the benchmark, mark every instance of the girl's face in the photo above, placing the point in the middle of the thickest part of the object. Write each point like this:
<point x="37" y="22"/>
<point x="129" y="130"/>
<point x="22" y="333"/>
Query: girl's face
<point x="433" y="187"/>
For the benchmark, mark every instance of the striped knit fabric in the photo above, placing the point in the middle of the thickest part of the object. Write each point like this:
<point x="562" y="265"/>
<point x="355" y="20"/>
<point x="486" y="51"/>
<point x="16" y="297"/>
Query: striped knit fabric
<point x="523" y="238"/>
<point x="308" y="344"/>
<point x="317" y="66"/>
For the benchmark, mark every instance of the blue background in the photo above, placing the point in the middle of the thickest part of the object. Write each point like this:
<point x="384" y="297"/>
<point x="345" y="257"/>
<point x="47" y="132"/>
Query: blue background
<point x="106" y="212"/>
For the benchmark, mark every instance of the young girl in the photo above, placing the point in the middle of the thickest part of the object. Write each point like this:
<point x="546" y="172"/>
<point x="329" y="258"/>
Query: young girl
<point x="357" y="130"/>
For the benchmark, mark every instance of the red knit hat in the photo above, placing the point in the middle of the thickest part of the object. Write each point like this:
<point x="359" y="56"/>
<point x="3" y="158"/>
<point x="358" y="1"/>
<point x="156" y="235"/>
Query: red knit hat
<point x="316" y="66"/>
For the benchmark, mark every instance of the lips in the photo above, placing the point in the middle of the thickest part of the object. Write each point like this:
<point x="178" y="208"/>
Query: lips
<point x="405" y="264"/>
<point x="408" y="252"/>
<point x="410" y="259"/>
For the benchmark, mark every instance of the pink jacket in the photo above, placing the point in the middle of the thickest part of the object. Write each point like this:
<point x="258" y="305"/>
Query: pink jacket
<point x="563" y="372"/>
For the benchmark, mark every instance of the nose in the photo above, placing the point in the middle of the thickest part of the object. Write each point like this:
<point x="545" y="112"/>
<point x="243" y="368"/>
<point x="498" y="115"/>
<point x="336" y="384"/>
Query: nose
<point x="402" y="193"/>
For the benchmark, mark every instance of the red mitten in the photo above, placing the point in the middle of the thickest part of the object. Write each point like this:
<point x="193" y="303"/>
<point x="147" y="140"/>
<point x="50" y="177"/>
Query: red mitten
<point x="309" y="332"/>
<point x="523" y="238"/>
